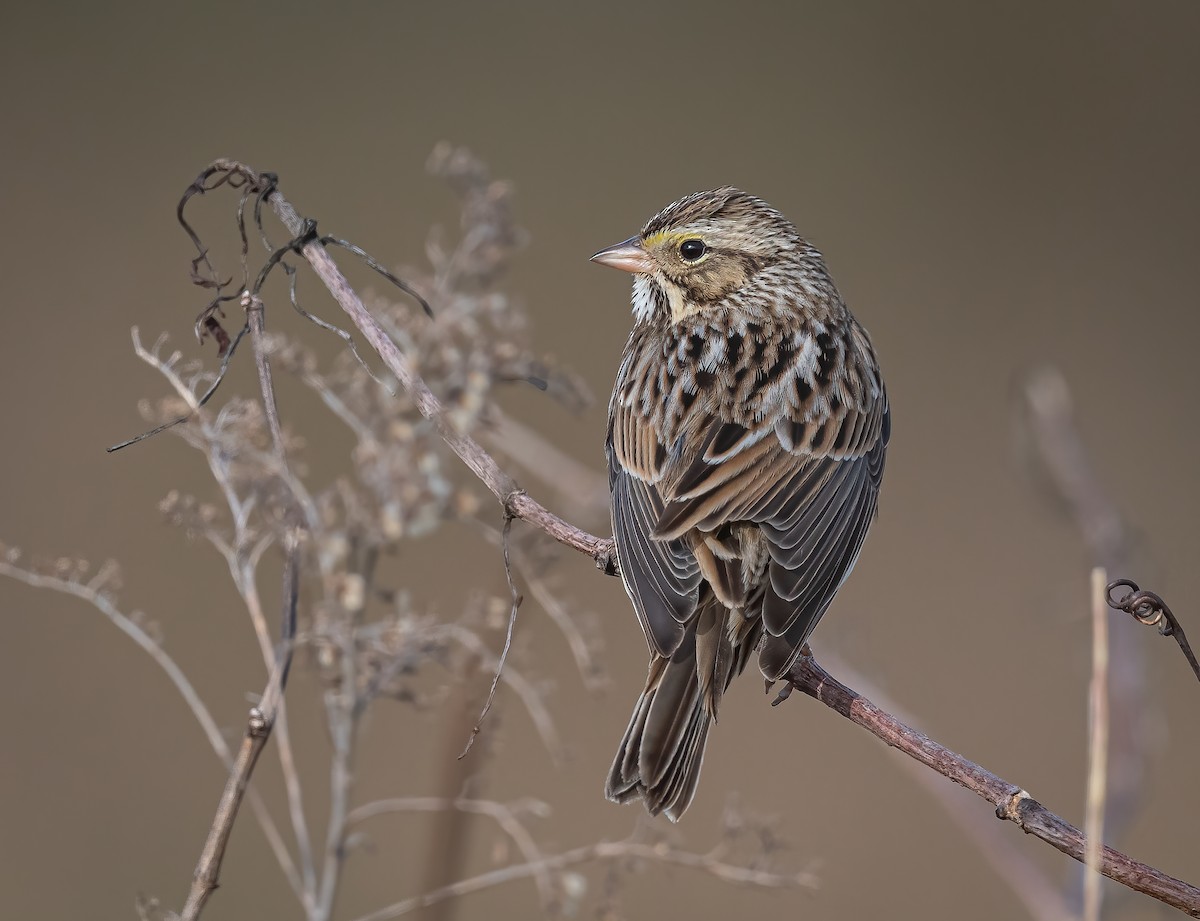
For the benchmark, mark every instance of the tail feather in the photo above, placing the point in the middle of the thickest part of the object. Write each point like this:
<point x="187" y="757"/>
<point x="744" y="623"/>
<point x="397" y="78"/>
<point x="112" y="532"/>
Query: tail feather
<point x="663" y="748"/>
<point x="670" y="709"/>
<point x="660" y="756"/>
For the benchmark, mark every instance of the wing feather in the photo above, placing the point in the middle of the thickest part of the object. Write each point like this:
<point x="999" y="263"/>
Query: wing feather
<point x="806" y="473"/>
<point x="661" y="577"/>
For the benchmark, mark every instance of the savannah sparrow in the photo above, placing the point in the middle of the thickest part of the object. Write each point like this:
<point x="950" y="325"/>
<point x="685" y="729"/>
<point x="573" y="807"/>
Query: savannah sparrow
<point x="745" y="445"/>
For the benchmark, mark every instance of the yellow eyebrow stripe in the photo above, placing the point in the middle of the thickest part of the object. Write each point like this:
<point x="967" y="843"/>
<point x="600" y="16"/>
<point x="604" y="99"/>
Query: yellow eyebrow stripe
<point x="665" y="236"/>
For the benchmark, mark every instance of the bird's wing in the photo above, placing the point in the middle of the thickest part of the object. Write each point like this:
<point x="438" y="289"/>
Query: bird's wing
<point x="662" y="577"/>
<point x="808" y="473"/>
<point x="809" y="477"/>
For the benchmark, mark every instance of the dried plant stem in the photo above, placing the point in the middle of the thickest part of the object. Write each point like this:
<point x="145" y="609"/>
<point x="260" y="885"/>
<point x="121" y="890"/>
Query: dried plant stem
<point x="262" y="718"/>
<point x="208" y="868"/>
<point x="258" y="731"/>
<point x="342" y="716"/>
<point x="243" y="578"/>
<point x="504" y="816"/>
<point x="1062" y="464"/>
<point x="556" y="608"/>
<point x="590" y="853"/>
<point x="91" y="593"/>
<point x="508" y="636"/>
<point x="1097" y="777"/>
<point x="515" y="500"/>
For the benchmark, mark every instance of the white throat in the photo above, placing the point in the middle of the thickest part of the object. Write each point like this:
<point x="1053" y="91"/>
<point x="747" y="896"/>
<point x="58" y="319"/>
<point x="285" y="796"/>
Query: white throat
<point x="643" y="298"/>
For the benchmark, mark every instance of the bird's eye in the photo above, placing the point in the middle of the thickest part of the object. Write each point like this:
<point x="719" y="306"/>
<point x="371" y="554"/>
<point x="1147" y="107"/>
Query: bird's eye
<point x="691" y="250"/>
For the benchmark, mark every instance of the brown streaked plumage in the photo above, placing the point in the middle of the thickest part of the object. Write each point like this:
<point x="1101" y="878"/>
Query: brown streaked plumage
<point x="746" y="440"/>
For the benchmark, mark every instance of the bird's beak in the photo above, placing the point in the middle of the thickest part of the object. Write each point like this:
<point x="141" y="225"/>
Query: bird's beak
<point x="628" y="256"/>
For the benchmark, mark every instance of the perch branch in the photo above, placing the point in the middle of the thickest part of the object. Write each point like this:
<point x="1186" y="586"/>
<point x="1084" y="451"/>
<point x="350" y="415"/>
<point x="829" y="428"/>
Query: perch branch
<point x="1040" y="898"/>
<point x="1012" y="803"/>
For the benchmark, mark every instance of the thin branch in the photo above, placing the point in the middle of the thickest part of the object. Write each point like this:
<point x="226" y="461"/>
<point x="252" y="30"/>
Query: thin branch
<point x="512" y="622"/>
<point x="1097" y="776"/>
<point x="601" y="851"/>
<point x="243" y="577"/>
<point x="585" y="489"/>
<point x="258" y="731"/>
<point x="91" y="592"/>
<point x="1029" y="883"/>
<point x="521" y="686"/>
<point x="589" y="667"/>
<point x="341" y="706"/>
<point x="262" y="718"/>
<point x="1012" y="803"/>
<point x="505" y="816"/>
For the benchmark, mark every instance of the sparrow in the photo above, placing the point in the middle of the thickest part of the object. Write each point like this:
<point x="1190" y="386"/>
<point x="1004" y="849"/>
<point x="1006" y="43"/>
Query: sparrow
<point x="746" y="438"/>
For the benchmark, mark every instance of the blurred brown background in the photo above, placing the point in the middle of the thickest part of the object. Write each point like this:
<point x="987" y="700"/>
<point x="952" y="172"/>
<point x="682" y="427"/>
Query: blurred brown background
<point x="993" y="188"/>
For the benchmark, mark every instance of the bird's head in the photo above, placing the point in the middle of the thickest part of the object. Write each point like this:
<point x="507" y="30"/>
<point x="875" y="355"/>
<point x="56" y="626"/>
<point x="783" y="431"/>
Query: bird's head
<point x="718" y="249"/>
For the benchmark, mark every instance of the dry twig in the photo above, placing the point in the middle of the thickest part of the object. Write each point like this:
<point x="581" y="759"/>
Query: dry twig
<point x="629" y="849"/>
<point x="508" y="636"/>
<point x="262" y="718"/>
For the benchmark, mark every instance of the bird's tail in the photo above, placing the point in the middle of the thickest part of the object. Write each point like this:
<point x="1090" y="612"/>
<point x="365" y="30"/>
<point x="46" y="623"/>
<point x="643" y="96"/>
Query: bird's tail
<point x="660" y="755"/>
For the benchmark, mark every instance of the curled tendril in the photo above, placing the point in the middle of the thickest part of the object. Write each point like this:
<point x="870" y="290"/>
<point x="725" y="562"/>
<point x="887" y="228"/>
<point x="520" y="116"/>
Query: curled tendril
<point x="1146" y="606"/>
<point x="1149" y="609"/>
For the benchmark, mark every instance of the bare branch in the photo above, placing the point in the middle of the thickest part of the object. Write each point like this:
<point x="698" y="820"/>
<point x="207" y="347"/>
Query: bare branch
<point x="1012" y="803"/>
<point x="1029" y="883"/>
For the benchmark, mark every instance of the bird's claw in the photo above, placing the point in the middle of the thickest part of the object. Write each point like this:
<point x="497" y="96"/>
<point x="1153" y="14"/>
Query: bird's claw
<point x="784" y="692"/>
